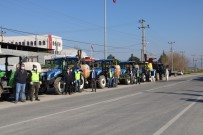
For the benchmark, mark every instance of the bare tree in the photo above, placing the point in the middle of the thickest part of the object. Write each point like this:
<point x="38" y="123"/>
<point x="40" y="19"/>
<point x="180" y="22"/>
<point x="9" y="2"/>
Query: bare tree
<point x="180" y="61"/>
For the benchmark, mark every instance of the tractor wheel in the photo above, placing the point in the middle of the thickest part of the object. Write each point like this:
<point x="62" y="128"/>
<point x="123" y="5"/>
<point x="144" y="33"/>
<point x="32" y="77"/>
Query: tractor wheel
<point x="59" y="86"/>
<point x="82" y="82"/>
<point x="42" y="89"/>
<point x="102" y="82"/>
<point x="127" y="81"/>
<point x="1" y="90"/>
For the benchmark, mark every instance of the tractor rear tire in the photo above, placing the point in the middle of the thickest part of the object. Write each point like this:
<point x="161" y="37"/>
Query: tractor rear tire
<point x="1" y="91"/>
<point x="102" y="82"/>
<point x="82" y="82"/>
<point x="59" y="86"/>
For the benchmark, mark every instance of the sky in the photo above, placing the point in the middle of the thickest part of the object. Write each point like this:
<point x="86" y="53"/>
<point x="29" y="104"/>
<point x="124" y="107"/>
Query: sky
<point x="80" y="23"/>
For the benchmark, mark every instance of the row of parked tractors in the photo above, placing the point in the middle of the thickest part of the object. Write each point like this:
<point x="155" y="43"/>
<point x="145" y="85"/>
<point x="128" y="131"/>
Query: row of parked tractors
<point x="52" y="72"/>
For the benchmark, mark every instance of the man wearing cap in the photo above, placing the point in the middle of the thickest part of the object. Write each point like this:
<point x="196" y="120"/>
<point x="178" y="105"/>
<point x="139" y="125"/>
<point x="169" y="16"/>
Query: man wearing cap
<point x="35" y="83"/>
<point x="20" y="79"/>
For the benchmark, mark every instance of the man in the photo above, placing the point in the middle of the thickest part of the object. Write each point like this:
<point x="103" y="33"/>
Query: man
<point x="93" y="81"/>
<point x="167" y="73"/>
<point x="68" y="79"/>
<point x="77" y="80"/>
<point x="35" y="83"/>
<point x="137" y="76"/>
<point x="109" y="78"/>
<point x="20" y="79"/>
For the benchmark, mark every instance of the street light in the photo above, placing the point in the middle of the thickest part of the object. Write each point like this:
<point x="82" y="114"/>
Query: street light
<point x="171" y="43"/>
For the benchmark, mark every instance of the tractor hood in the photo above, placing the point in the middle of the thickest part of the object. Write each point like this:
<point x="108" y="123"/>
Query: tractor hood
<point x="53" y="73"/>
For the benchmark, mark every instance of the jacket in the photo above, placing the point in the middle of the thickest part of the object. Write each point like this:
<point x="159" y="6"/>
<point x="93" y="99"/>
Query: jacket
<point x="20" y="76"/>
<point x="68" y="78"/>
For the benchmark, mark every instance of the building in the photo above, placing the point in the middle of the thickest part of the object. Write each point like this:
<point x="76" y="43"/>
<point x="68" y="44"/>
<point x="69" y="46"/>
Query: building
<point x="39" y="41"/>
<point x="30" y="53"/>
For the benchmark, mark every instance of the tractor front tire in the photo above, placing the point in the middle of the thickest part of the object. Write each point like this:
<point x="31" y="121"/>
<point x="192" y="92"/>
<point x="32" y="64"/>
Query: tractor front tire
<point x="59" y="86"/>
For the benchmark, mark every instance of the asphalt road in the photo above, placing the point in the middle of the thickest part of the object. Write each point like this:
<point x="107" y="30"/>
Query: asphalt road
<point x="162" y="108"/>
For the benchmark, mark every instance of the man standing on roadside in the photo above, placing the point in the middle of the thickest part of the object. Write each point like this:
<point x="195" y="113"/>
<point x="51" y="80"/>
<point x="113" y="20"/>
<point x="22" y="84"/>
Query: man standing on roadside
<point x="77" y="80"/>
<point x="35" y="83"/>
<point x="68" y="80"/>
<point x="93" y="80"/>
<point x="20" y="79"/>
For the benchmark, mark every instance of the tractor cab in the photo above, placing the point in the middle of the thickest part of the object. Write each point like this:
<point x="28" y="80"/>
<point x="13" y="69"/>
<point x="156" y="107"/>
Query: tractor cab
<point x="102" y="67"/>
<point x="7" y="72"/>
<point x="128" y="69"/>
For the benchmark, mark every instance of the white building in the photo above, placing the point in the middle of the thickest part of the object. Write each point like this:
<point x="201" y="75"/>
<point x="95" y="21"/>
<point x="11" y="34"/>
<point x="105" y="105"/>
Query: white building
<point x="41" y="41"/>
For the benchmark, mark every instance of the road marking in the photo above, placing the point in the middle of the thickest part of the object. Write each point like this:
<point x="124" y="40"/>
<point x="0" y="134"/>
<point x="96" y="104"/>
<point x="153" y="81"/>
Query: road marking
<point x="85" y="106"/>
<point x="73" y="109"/>
<point x="168" y="124"/>
<point x="173" y="84"/>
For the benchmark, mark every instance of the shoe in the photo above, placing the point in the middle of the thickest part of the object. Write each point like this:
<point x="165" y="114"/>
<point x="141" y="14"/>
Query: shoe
<point x="37" y="99"/>
<point x="15" y="102"/>
<point x="22" y="100"/>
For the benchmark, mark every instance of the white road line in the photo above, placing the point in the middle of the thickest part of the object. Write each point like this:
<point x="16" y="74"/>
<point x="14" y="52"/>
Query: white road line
<point x="73" y="109"/>
<point x="166" y="86"/>
<point x="81" y="107"/>
<point x="168" y="124"/>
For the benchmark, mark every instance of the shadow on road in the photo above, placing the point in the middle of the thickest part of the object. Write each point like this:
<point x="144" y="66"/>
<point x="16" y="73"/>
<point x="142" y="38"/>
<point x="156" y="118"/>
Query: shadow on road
<point x="192" y="100"/>
<point x="198" y="79"/>
<point x="188" y="94"/>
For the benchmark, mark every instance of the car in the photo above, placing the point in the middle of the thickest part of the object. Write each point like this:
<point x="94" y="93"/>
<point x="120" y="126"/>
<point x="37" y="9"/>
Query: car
<point x="179" y="73"/>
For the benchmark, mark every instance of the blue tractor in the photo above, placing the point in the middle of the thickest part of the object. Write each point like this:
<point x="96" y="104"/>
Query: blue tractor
<point x="127" y="72"/>
<point x="101" y="67"/>
<point x="54" y="77"/>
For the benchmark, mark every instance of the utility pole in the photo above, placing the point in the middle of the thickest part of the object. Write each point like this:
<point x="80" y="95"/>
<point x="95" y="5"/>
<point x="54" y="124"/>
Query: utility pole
<point x="183" y="62"/>
<point x="105" y="51"/>
<point x="193" y="60"/>
<point x="2" y="34"/>
<point x="143" y="27"/>
<point x="201" y="61"/>
<point x="171" y="43"/>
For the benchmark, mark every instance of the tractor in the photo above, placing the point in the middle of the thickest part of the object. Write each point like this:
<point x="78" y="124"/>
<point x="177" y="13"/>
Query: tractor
<point x="7" y="76"/>
<point x="7" y="73"/>
<point x="101" y="67"/>
<point x="128" y="70"/>
<point x="56" y="68"/>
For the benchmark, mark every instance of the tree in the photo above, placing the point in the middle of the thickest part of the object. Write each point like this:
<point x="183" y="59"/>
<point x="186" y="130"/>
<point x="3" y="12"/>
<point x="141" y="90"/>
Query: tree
<point x="180" y="61"/>
<point x="134" y="58"/>
<point x="163" y="58"/>
<point x="115" y="61"/>
<point x="110" y="56"/>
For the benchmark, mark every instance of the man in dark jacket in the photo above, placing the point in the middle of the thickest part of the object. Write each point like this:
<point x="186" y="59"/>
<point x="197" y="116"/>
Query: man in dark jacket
<point x="20" y="79"/>
<point x="68" y="80"/>
<point x="93" y="80"/>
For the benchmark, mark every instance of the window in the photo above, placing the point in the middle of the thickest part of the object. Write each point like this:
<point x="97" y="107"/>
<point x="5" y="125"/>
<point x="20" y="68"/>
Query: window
<point x="16" y="43"/>
<point x="44" y="43"/>
<point x="35" y="43"/>
<point x="23" y="43"/>
<point x="40" y="42"/>
<point x="19" y="43"/>
<point x="28" y="43"/>
<point x="31" y="43"/>
<point x="53" y="43"/>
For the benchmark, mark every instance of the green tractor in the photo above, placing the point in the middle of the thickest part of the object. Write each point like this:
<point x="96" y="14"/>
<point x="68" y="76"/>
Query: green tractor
<point x="7" y="73"/>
